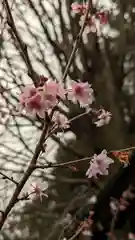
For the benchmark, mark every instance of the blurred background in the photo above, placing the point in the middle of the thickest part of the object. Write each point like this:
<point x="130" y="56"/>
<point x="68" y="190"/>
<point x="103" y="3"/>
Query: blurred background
<point x="107" y="61"/>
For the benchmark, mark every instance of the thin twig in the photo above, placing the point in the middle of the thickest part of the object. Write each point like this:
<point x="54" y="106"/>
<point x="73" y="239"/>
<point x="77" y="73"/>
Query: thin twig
<point x="25" y="177"/>
<point x="79" y="115"/>
<point x="77" y="233"/>
<point x="53" y="165"/>
<point x="76" y="43"/>
<point x="22" y="45"/>
<point x="32" y="164"/>
<point x="8" y="178"/>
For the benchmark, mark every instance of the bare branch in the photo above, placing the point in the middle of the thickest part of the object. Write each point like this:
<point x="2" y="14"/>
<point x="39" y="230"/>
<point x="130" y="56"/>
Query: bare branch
<point x="23" y="47"/>
<point x="25" y="177"/>
<point x="11" y="179"/>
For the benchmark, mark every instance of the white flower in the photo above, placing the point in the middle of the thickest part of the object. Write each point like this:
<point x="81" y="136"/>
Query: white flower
<point x="82" y="93"/>
<point x="38" y="190"/>
<point x="87" y="232"/>
<point x="99" y="165"/>
<point x="104" y="118"/>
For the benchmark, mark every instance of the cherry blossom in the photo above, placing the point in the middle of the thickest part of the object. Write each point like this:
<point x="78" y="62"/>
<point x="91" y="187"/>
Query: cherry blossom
<point x="114" y="206"/>
<point x="32" y="101"/>
<point x="35" y="105"/>
<point x="82" y="93"/>
<point x="91" y="25"/>
<point x="94" y="20"/>
<point x="123" y="204"/>
<point x="103" y="118"/>
<point x="79" y="8"/>
<point x="41" y="99"/>
<point x="99" y="165"/>
<point x="60" y="120"/>
<point x="38" y="190"/>
<point x="102" y="16"/>
<point x="28" y="92"/>
<point x="131" y="236"/>
<point x="54" y="89"/>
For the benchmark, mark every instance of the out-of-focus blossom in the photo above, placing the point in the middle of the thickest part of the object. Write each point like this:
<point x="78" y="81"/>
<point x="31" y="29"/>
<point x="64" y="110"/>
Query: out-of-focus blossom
<point x="38" y="191"/>
<point x="79" y="8"/>
<point x="87" y="232"/>
<point x="103" y="118"/>
<point x="94" y="21"/>
<point x="123" y="204"/>
<point x="66" y="219"/>
<point x="131" y="236"/>
<point x="60" y="120"/>
<point x="123" y="157"/>
<point x="82" y="93"/>
<point x="91" y="27"/>
<point x="91" y="24"/>
<point x="114" y="206"/>
<point x="128" y="194"/>
<point x="99" y="165"/>
<point x="93" y="199"/>
<point x="103" y="17"/>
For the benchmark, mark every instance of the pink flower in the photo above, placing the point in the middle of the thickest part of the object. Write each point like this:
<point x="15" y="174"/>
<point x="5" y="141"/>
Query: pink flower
<point x="128" y="194"/>
<point x="41" y="99"/>
<point x="93" y="170"/>
<point x="36" y="105"/>
<point x="28" y="92"/>
<point x="99" y="165"/>
<point x="60" y="120"/>
<point x="76" y="7"/>
<point x="81" y="92"/>
<point x="52" y="91"/>
<point x="38" y="191"/>
<point x="61" y="91"/>
<point x="32" y="101"/>
<point x="123" y="204"/>
<point x="90" y="24"/>
<point x="103" y="17"/>
<point x="131" y="236"/>
<point x="51" y="88"/>
<point x="103" y="118"/>
<point x="79" y="8"/>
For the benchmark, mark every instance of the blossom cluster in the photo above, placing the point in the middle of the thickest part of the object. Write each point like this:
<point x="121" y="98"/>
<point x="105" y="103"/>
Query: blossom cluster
<point x="99" y="165"/>
<point x="94" y="19"/>
<point x="38" y="100"/>
<point x="48" y="93"/>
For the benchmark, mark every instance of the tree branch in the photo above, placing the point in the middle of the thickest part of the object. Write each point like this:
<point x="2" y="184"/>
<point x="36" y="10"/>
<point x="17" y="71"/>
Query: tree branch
<point x="76" y="43"/>
<point x="23" y="46"/>
<point x="4" y="176"/>
<point x="25" y="177"/>
<point x="32" y="164"/>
